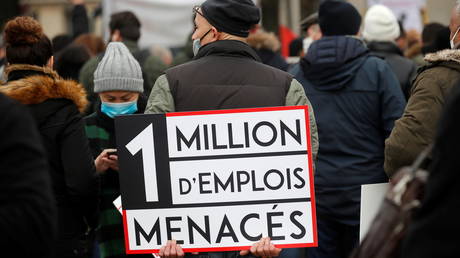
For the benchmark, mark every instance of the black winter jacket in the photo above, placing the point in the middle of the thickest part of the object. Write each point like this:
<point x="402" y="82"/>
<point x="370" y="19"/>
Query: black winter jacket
<point x="404" y="68"/>
<point x="56" y="105"/>
<point x="27" y="209"/>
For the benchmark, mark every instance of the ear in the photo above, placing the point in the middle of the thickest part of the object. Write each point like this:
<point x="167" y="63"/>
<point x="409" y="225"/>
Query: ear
<point x="116" y="36"/>
<point x="216" y="35"/>
<point x="50" y="63"/>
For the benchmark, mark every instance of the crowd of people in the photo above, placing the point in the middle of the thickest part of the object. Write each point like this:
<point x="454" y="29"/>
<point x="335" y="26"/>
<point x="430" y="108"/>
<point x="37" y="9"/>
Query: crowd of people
<point x="376" y="100"/>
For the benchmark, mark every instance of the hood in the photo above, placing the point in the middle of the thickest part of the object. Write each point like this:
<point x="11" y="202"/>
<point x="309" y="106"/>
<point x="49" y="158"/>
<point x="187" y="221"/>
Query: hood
<point x="332" y="62"/>
<point x="40" y="84"/>
<point x="447" y="55"/>
<point x="233" y="48"/>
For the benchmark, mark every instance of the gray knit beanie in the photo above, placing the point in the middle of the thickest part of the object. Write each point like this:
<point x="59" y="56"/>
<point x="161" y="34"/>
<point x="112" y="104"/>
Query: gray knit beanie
<point x="118" y="70"/>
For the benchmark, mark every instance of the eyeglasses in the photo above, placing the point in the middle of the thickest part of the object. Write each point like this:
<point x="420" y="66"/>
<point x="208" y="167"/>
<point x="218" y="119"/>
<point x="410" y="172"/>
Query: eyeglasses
<point x="196" y="10"/>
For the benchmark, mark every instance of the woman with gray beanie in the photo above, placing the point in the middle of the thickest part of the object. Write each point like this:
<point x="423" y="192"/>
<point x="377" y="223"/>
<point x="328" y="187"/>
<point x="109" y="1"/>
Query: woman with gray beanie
<point x="119" y="84"/>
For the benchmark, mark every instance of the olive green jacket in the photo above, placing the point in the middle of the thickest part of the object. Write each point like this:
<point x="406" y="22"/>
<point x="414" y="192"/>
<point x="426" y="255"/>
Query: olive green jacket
<point x="416" y="129"/>
<point x="161" y="101"/>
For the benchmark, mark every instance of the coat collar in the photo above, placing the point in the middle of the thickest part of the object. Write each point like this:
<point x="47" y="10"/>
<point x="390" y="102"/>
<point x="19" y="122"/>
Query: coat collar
<point x="35" y="84"/>
<point x="232" y="48"/>
<point x="385" y="47"/>
<point x="452" y="55"/>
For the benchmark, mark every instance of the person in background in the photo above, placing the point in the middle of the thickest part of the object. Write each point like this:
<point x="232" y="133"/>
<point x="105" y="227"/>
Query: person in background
<point x="70" y="60"/>
<point x="356" y="98"/>
<point x="401" y="41"/>
<point x="313" y="32"/>
<point x="119" y="85"/>
<point x="295" y="47"/>
<point x="267" y="46"/>
<point x="56" y="105"/>
<point x="415" y="130"/>
<point x="80" y="25"/>
<point x="435" y="37"/>
<point x="93" y="43"/>
<point x="414" y="48"/>
<point x="27" y="208"/>
<point x="80" y="21"/>
<point x="163" y="53"/>
<point x="380" y="31"/>
<point x="124" y="27"/>
<point x="185" y="54"/>
<point x="60" y="42"/>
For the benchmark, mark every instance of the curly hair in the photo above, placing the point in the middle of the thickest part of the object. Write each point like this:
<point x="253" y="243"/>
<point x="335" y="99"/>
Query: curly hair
<point x="26" y="43"/>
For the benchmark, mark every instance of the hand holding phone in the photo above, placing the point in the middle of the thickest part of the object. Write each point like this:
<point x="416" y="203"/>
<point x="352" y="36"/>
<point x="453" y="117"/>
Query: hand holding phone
<point x="114" y="152"/>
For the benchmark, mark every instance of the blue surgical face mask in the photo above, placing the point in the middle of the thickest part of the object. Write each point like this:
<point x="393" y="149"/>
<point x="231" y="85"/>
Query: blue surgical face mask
<point x="196" y="46"/>
<point x="116" y="109"/>
<point x="197" y="43"/>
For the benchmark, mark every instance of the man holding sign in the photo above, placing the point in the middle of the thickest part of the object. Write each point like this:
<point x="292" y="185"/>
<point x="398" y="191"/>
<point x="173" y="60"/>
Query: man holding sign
<point x="227" y="74"/>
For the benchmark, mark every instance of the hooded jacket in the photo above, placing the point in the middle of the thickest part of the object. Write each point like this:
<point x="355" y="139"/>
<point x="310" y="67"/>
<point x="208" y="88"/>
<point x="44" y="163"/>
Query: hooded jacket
<point x="56" y="105"/>
<point x="416" y="129"/>
<point x="356" y="98"/>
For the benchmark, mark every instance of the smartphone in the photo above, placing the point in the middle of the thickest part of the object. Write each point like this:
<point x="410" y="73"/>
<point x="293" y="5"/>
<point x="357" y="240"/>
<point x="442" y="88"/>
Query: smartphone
<point x="112" y="153"/>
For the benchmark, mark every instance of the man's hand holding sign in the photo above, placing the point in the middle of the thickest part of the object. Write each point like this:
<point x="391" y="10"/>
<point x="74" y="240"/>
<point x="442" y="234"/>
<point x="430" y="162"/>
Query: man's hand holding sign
<point x="217" y="181"/>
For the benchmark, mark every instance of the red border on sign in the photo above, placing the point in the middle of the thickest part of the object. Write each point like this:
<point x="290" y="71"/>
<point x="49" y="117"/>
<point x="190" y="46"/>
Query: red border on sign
<point x="238" y="248"/>
<point x="233" y="111"/>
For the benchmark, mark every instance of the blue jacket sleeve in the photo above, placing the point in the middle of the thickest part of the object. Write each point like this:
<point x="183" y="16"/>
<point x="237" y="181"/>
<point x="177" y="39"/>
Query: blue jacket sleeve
<point x="392" y="100"/>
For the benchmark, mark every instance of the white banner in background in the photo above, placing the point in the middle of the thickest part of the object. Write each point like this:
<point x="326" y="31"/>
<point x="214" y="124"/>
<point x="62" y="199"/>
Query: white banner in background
<point x="164" y="22"/>
<point x="407" y="10"/>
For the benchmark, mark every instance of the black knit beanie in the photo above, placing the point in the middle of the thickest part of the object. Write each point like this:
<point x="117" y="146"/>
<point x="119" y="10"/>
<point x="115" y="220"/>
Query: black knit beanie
<point x="235" y="17"/>
<point x="338" y="18"/>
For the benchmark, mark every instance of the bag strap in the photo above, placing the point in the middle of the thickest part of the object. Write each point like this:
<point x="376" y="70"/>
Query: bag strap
<point x="423" y="158"/>
<point x="400" y="187"/>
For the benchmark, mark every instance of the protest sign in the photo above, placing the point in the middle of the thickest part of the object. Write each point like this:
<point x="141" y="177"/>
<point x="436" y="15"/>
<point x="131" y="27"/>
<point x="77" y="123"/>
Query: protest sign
<point x="217" y="180"/>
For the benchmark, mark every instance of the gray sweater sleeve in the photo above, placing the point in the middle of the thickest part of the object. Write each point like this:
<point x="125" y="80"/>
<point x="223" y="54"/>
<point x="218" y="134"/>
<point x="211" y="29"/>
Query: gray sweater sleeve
<point x="160" y="100"/>
<point x="296" y="97"/>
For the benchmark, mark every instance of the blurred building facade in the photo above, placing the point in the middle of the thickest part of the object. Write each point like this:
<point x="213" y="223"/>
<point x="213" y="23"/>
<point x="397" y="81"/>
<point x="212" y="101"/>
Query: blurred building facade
<point x="55" y="14"/>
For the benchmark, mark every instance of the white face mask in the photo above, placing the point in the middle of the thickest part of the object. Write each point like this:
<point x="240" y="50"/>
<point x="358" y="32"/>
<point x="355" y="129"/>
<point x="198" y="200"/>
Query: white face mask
<point x="452" y="43"/>
<point x="306" y="44"/>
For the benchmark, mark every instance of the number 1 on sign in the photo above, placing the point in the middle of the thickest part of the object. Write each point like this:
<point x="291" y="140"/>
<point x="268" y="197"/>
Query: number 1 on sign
<point x="144" y="141"/>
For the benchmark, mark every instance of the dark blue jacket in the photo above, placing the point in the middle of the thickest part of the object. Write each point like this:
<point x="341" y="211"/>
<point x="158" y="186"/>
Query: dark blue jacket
<point x="356" y="98"/>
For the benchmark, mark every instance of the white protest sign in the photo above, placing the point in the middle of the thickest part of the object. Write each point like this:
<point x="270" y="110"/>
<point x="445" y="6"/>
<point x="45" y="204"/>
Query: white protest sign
<point x="371" y="198"/>
<point x="217" y="180"/>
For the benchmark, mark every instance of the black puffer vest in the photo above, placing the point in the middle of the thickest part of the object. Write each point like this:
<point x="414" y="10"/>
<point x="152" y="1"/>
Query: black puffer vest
<point x="227" y="74"/>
